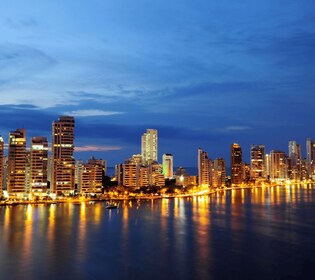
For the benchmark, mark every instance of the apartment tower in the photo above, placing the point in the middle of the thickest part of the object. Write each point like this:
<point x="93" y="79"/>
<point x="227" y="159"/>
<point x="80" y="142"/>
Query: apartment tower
<point x="63" y="163"/>
<point x="16" y="162"/>
<point x="39" y="160"/>
<point x="149" y="146"/>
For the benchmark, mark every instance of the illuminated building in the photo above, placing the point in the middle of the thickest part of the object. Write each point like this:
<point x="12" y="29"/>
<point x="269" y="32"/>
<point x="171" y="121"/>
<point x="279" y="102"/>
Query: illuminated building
<point x="310" y="156"/>
<point x="149" y="146"/>
<point x="92" y="176"/>
<point x="204" y="168"/>
<point x="1" y="164"/>
<point x="278" y="165"/>
<point x="131" y="172"/>
<point x="257" y="161"/>
<point x="295" y="156"/>
<point x="267" y="166"/>
<point x="39" y="160"/>
<point x="156" y="177"/>
<point x="167" y="160"/>
<point x="236" y="164"/>
<point x="63" y="167"/>
<point x="219" y="172"/>
<point x="78" y="174"/>
<point x="184" y="179"/>
<point x="16" y="162"/>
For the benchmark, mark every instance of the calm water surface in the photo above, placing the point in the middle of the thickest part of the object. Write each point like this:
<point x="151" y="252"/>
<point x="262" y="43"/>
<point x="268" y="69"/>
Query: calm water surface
<point x="250" y="234"/>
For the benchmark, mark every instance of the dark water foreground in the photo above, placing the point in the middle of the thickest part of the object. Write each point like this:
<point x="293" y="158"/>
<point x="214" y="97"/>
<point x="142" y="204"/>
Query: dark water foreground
<point x="246" y="234"/>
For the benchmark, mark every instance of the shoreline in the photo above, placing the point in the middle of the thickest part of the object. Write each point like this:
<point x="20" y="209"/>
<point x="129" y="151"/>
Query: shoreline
<point x="134" y="198"/>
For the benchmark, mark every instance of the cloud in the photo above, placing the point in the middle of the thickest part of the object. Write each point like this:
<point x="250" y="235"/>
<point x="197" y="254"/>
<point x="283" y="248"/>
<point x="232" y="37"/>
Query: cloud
<point x="236" y="128"/>
<point x="97" y="148"/>
<point x="92" y="113"/>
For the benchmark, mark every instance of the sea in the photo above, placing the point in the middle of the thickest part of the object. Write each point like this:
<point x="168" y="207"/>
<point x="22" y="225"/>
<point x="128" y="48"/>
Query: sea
<point x="259" y="233"/>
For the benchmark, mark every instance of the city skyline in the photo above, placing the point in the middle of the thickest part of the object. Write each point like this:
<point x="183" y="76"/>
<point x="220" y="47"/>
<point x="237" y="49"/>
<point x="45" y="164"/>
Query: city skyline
<point x="214" y="74"/>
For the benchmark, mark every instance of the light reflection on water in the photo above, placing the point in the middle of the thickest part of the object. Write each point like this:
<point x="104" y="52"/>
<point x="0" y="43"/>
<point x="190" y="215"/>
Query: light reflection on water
<point x="249" y="233"/>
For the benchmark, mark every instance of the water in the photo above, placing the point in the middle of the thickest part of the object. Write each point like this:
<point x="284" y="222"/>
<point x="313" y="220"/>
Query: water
<point x="249" y="234"/>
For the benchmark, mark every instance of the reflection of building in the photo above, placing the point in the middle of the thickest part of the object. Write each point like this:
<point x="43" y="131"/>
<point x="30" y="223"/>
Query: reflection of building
<point x="167" y="165"/>
<point x="236" y="164"/>
<point x="92" y="176"/>
<point x="17" y="162"/>
<point x="204" y="168"/>
<point x="257" y="161"/>
<point x="1" y="164"/>
<point x="149" y="146"/>
<point x="39" y="158"/>
<point x="278" y="166"/>
<point x="219" y="172"/>
<point x="63" y="166"/>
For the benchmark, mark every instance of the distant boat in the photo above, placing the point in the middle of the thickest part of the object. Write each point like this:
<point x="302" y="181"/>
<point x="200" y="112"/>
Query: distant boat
<point x="111" y="206"/>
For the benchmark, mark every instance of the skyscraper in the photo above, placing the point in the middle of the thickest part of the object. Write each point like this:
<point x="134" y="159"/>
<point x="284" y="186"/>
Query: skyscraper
<point x="1" y="164"/>
<point x="236" y="164"/>
<point x="310" y="156"/>
<point x="257" y="161"/>
<point x="204" y="168"/>
<point x="278" y="165"/>
<point x="149" y="146"/>
<point x="63" y="166"/>
<point x="167" y="160"/>
<point x="16" y="162"/>
<point x="219" y="172"/>
<point x="39" y="159"/>
<point x="296" y="160"/>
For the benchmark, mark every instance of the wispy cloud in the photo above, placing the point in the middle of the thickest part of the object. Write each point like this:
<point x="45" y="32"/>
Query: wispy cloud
<point x="236" y="128"/>
<point x="97" y="148"/>
<point x="92" y="113"/>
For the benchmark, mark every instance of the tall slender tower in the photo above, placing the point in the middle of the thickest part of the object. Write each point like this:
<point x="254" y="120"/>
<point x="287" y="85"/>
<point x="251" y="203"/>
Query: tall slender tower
<point x="1" y="164"/>
<point x="16" y="162"/>
<point x="39" y="160"/>
<point x="257" y="161"/>
<point x="310" y="156"/>
<point x="167" y="165"/>
<point x="219" y="172"/>
<point x="149" y="146"/>
<point x="278" y="165"/>
<point x="204" y="168"/>
<point x="236" y="164"/>
<point x="63" y="163"/>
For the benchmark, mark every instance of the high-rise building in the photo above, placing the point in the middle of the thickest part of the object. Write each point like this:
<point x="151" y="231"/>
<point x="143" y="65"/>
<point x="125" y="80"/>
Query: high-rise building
<point x="149" y="146"/>
<point x="257" y="161"/>
<point x="167" y="160"/>
<point x="39" y="160"/>
<point x="236" y="164"/>
<point x="278" y="165"/>
<point x="204" y="168"/>
<point x="63" y="163"/>
<point x="1" y="164"/>
<point x="296" y="159"/>
<point x="310" y="156"/>
<point x="219" y="172"/>
<point x="16" y="162"/>
<point x="92" y="176"/>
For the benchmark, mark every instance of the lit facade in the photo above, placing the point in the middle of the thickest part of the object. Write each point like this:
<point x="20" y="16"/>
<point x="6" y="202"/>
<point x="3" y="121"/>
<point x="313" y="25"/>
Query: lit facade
<point x="16" y="162"/>
<point x="310" y="156"/>
<point x="63" y="163"/>
<point x="149" y="146"/>
<point x="39" y="161"/>
<point x="257" y="161"/>
<point x="278" y="165"/>
<point x="167" y="160"/>
<point x="236" y="164"/>
<point x="219" y="172"/>
<point x="204" y="168"/>
<point x="92" y="176"/>
<point x="296" y="160"/>
<point x="1" y="164"/>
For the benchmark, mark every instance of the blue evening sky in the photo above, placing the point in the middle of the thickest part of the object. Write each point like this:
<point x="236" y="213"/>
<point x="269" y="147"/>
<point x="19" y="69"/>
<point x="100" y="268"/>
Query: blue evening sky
<point x="204" y="73"/>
